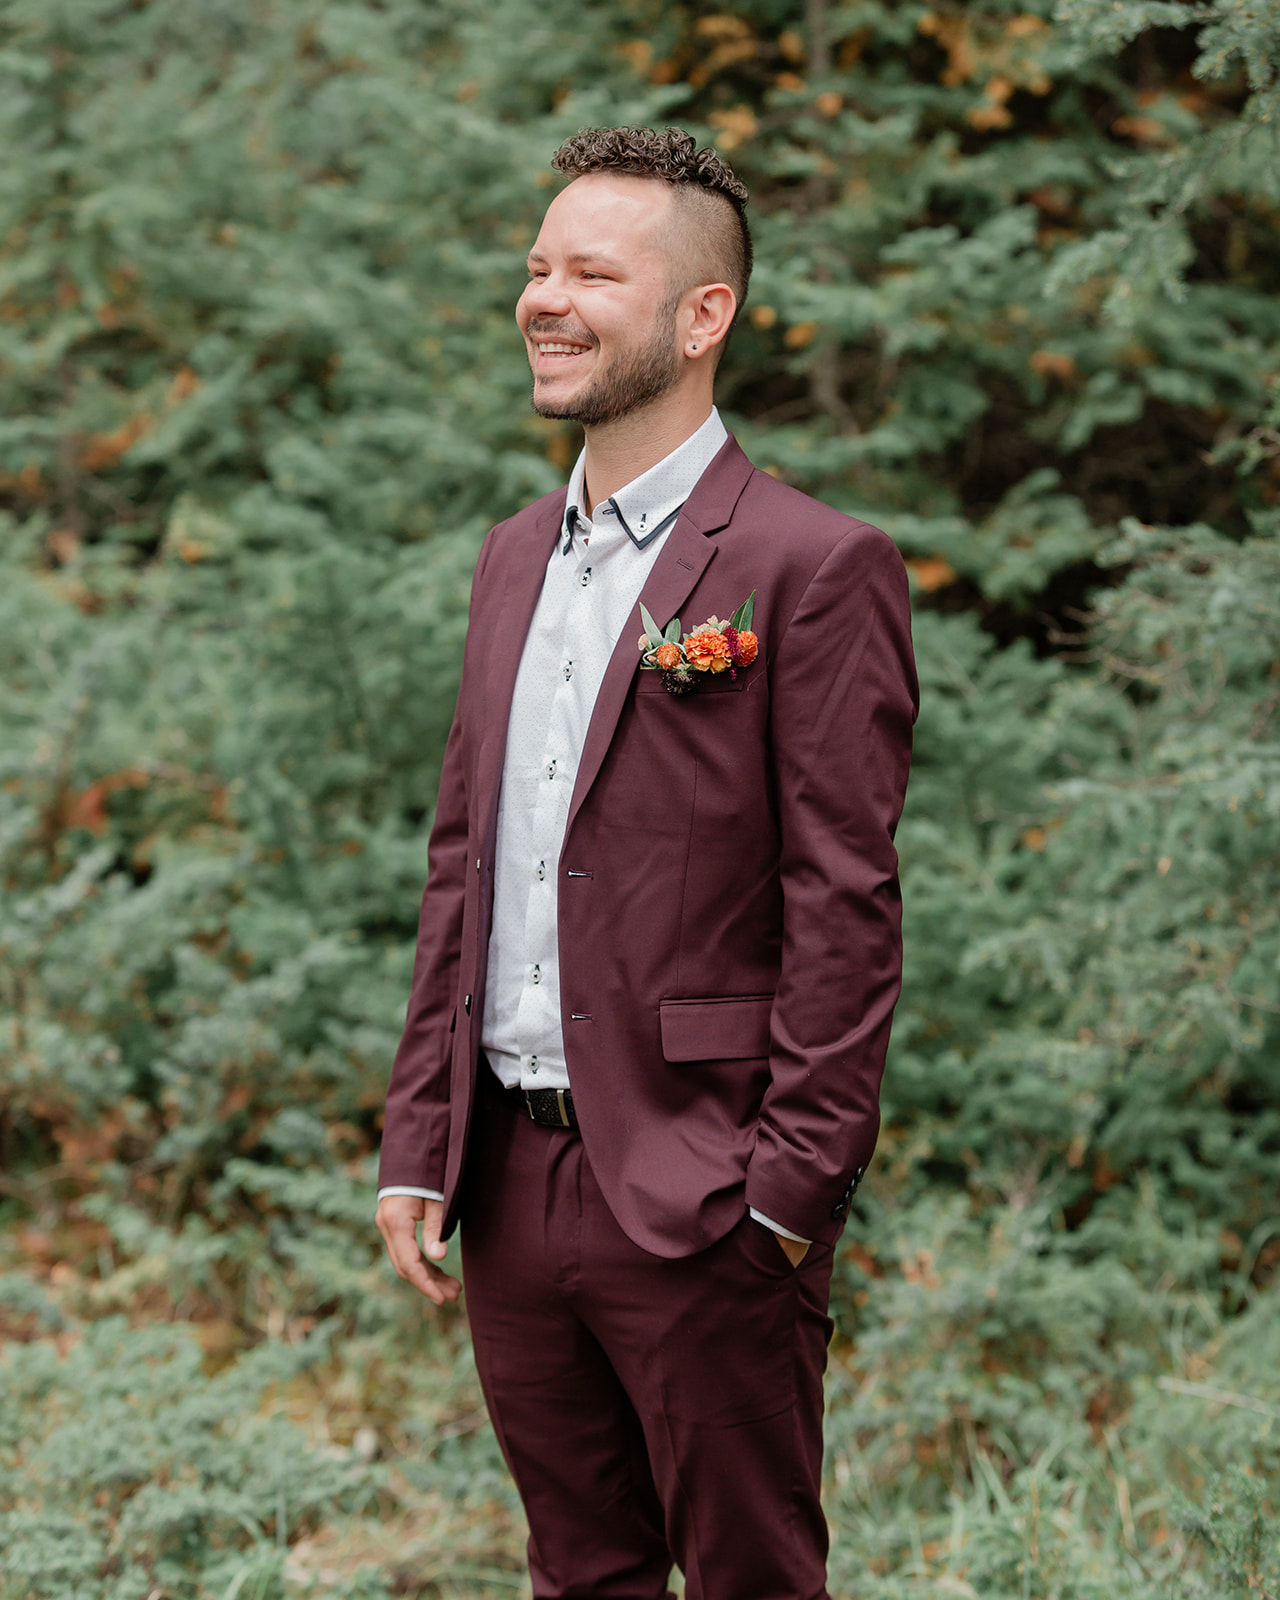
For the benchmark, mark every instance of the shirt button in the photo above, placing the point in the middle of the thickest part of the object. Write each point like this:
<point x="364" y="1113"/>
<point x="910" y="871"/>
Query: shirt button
<point x="567" y="670"/>
<point x="585" y="579"/>
<point x="533" y="1065"/>
<point x="536" y="975"/>
<point x="551" y="769"/>
<point x="542" y="871"/>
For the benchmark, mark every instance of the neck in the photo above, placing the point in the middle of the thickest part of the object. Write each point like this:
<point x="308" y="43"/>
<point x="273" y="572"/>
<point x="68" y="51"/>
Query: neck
<point x="618" y="452"/>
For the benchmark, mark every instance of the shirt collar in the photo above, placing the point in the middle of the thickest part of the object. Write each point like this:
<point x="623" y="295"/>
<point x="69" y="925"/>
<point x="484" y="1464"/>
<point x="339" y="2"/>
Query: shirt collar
<point x="648" y="505"/>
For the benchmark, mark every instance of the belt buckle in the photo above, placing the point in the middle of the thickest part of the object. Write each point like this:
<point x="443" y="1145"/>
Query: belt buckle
<point x="565" y="1120"/>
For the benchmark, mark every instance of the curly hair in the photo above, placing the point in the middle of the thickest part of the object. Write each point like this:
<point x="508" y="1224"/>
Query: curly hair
<point x="672" y="156"/>
<point x="711" y="195"/>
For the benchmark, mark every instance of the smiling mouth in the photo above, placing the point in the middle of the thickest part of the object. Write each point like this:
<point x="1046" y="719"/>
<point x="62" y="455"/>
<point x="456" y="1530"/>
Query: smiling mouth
<point x="562" y="351"/>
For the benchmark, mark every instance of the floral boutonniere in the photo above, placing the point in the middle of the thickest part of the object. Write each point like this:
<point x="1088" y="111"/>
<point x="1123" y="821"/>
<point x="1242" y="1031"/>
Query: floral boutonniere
<point x="713" y="647"/>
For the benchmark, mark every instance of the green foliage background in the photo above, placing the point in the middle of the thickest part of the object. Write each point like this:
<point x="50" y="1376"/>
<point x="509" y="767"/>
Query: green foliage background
<point x="1017" y="302"/>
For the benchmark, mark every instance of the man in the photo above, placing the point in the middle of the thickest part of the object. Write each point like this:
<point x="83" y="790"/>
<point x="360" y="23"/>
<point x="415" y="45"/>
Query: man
<point x="659" y="944"/>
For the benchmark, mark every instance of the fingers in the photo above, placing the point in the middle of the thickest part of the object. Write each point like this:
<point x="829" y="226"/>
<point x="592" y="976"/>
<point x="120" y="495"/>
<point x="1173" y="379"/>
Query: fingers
<point x="428" y="1280"/>
<point x="398" y="1224"/>
<point x="793" y="1249"/>
<point x="424" y="1275"/>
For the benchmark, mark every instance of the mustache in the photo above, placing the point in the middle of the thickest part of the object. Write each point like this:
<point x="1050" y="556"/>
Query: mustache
<point x="557" y="328"/>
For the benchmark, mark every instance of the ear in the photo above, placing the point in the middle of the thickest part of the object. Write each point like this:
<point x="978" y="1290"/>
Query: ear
<point x="706" y="317"/>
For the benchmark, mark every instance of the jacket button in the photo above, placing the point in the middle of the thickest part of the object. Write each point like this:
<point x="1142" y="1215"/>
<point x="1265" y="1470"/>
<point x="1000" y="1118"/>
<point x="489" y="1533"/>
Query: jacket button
<point x="841" y="1208"/>
<point x="466" y="1004"/>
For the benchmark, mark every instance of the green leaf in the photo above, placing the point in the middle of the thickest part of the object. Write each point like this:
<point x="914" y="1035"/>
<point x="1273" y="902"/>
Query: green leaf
<point x="672" y="635"/>
<point x="650" y="627"/>
<point x="743" y="615"/>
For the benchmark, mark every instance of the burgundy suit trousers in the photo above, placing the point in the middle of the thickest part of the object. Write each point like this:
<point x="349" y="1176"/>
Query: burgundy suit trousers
<point x="652" y="1411"/>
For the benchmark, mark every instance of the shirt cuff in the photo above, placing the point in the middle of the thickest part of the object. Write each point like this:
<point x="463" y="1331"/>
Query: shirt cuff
<point x="776" y="1226"/>
<point x="400" y="1188"/>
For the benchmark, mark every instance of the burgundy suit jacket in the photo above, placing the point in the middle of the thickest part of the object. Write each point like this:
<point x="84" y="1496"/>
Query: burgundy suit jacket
<point x="729" y="915"/>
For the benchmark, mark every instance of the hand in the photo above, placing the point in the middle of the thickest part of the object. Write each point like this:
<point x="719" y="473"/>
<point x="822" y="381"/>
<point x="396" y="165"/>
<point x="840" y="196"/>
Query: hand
<point x="398" y="1218"/>
<point x="793" y="1249"/>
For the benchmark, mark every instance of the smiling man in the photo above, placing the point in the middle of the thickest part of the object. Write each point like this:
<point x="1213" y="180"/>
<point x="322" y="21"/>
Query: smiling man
<point x="659" y="946"/>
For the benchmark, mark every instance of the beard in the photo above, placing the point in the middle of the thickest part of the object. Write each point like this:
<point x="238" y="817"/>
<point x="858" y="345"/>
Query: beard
<point x="632" y="379"/>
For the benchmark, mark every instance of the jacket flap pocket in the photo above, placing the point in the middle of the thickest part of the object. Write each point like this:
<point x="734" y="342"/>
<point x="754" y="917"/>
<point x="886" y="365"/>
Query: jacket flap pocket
<point x="733" y="1029"/>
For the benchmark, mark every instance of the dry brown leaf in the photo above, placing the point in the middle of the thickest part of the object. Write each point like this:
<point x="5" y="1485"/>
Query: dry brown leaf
<point x="736" y="125"/>
<point x="184" y="383"/>
<point x="799" y="335"/>
<point x="722" y="26"/>
<point x="105" y="449"/>
<point x="1052" y="364"/>
<point x="931" y="572"/>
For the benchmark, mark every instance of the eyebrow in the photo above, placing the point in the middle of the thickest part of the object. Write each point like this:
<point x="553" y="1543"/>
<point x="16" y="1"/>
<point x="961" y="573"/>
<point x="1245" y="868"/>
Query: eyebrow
<point x="576" y="257"/>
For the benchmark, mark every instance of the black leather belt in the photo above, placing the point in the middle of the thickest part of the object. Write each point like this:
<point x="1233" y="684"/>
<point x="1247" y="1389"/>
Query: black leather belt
<point x="549" y="1108"/>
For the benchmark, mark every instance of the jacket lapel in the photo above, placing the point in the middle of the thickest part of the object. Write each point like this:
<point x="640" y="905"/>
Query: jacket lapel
<point x="681" y="562"/>
<point x="524" y="568"/>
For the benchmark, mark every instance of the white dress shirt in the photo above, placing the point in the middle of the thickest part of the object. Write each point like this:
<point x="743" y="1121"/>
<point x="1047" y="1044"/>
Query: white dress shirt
<point x="594" y="577"/>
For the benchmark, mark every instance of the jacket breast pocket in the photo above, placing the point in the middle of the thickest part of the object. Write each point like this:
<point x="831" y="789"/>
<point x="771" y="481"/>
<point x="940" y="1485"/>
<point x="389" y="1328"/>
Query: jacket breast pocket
<point x="707" y="683"/>
<point x="733" y="1028"/>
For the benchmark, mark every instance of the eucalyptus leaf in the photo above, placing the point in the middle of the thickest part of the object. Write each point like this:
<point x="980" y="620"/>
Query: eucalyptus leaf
<point x="651" y="628"/>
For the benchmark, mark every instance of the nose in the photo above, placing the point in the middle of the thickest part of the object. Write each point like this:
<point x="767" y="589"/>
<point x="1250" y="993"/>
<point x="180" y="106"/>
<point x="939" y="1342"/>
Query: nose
<point x="543" y="297"/>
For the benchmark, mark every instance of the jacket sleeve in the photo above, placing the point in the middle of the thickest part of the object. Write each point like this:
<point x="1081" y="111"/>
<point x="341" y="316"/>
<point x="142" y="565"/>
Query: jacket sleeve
<point x="415" y="1130"/>
<point x="844" y="698"/>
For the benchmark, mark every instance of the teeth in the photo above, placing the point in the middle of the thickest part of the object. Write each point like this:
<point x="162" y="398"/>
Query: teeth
<point x="563" y="349"/>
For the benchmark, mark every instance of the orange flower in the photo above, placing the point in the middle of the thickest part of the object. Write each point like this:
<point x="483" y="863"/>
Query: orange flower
<point x="667" y="656"/>
<point x="748" y="646"/>
<point x="708" y="652"/>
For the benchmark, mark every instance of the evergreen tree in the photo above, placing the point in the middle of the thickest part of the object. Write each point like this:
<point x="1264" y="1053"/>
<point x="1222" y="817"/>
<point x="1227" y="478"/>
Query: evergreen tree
<point x="1016" y="302"/>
